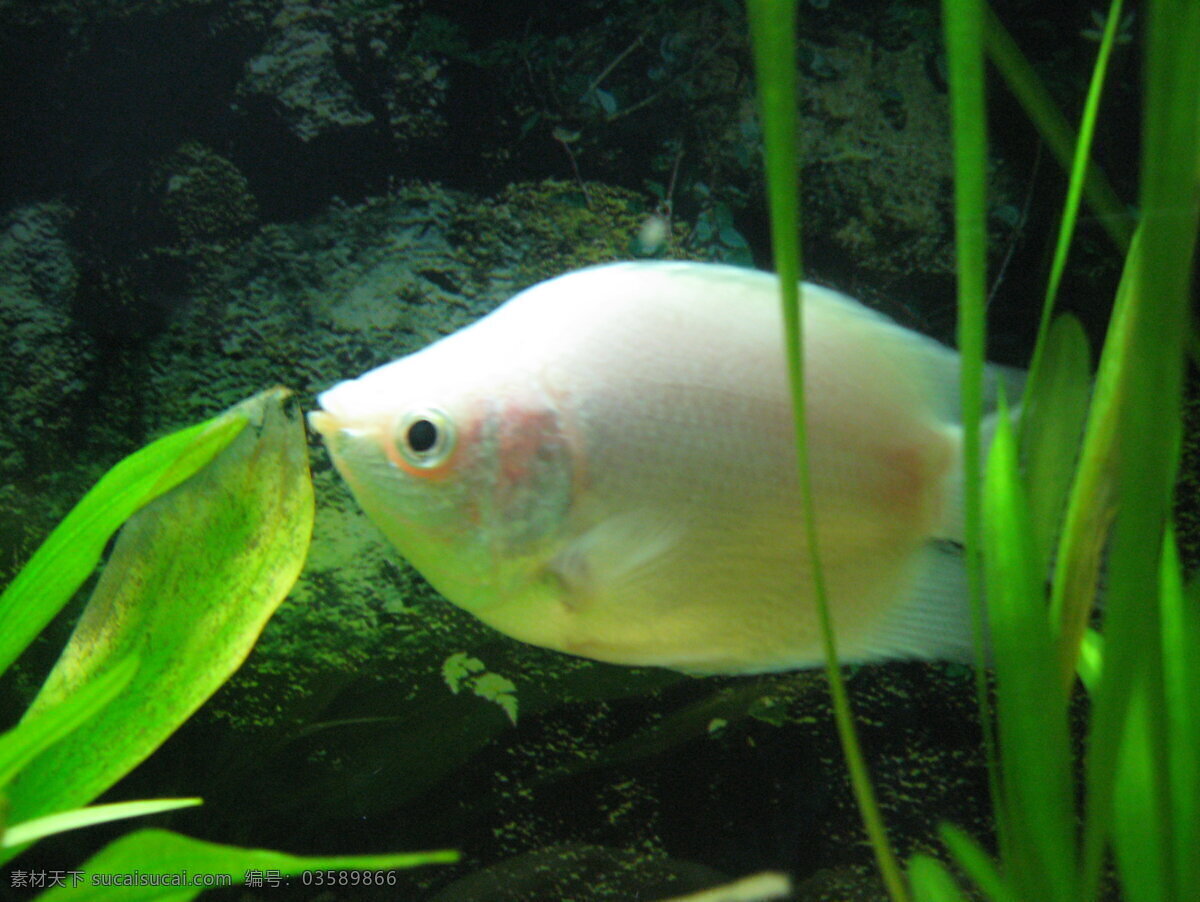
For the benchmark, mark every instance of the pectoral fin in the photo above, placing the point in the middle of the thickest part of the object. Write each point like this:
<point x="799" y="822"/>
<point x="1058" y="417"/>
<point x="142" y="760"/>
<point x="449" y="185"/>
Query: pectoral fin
<point x="614" y="557"/>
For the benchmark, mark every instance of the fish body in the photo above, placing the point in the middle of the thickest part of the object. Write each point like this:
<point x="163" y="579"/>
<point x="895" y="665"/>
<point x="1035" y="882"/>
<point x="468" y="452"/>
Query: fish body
<point x="605" y="466"/>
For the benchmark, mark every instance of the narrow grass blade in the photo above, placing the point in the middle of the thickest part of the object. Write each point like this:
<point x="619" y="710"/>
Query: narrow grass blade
<point x="773" y="35"/>
<point x="1041" y="109"/>
<point x="1077" y="174"/>
<point x="188" y="587"/>
<point x="963" y="22"/>
<point x="963" y="26"/>
<point x="72" y="550"/>
<point x="78" y="818"/>
<point x="183" y="868"/>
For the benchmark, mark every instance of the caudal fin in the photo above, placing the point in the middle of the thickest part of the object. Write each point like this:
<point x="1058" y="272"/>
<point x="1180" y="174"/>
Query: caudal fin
<point x="935" y="620"/>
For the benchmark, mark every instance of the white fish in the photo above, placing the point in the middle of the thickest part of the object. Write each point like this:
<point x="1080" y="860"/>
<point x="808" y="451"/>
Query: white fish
<point x="604" y="466"/>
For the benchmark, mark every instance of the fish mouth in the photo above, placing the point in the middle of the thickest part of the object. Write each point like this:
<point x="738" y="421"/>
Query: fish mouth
<point x="323" y="423"/>
<point x="341" y="433"/>
<point x="333" y="414"/>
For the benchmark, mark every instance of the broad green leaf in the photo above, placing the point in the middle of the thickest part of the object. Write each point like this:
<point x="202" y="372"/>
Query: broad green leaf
<point x="1157" y="317"/>
<point x="1034" y="745"/>
<point x="177" y="858"/>
<point x="976" y="864"/>
<point x="1051" y="431"/>
<point x="34" y="735"/>
<point x="1155" y="830"/>
<point x="1181" y="689"/>
<point x="192" y="579"/>
<point x="931" y="881"/>
<point x="1091" y="501"/>
<point x="77" y="818"/>
<point x="1140" y="836"/>
<point x="1091" y="660"/>
<point x="72" y="550"/>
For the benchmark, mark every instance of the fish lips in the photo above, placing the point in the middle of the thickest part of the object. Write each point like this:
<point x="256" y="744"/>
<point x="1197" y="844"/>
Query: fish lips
<point x="323" y="423"/>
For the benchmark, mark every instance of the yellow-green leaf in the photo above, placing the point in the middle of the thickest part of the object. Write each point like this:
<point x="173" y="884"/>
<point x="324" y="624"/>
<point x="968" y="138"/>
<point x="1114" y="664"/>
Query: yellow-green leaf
<point x="193" y="578"/>
<point x="71" y="551"/>
<point x="34" y="735"/>
<point x="77" y="818"/>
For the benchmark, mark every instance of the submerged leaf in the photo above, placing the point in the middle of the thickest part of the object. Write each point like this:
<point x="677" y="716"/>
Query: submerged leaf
<point x="1034" y="741"/>
<point x="77" y="818"/>
<point x="1181" y="688"/>
<point x="461" y="670"/>
<point x="1052" y="428"/>
<point x="500" y="690"/>
<point x="193" y="578"/>
<point x="931" y="881"/>
<point x="458" y="667"/>
<point x="72" y="550"/>
<point x="34" y="735"/>
<point x="169" y="864"/>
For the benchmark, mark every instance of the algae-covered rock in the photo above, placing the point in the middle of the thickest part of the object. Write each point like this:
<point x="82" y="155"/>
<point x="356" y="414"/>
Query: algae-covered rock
<point x="876" y="188"/>
<point x="47" y="364"/>
<point x="571" y="225"/>
<point x="340" y="67"/>
<point x="35" y="256"/>
<point x="202" y="196"/>
<point x="297" y="72"/>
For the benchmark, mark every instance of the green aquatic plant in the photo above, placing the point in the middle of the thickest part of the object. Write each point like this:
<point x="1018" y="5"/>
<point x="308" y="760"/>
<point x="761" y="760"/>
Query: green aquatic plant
<point x="1141" y="799"/>
<point x="216" y="525"/>
<point x="461" y="671"/>
<point x="772" y="31"/>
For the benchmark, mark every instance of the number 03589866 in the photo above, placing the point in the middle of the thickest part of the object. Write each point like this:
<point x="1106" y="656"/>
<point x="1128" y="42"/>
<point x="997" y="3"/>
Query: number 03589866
<point x="348" y="878"/>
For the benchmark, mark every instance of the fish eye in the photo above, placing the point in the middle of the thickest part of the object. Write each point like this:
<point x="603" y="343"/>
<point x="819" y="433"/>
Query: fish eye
<point x="424" y="438"/>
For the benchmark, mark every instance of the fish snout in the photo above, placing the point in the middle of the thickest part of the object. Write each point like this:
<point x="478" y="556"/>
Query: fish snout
<point x="323" y="423"/>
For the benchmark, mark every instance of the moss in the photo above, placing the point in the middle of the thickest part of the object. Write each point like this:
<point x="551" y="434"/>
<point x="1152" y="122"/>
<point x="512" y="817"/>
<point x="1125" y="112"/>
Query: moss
<point x="47" y="360"/>
<point x="568" y="224"/>
<point x="203" y="197"/>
